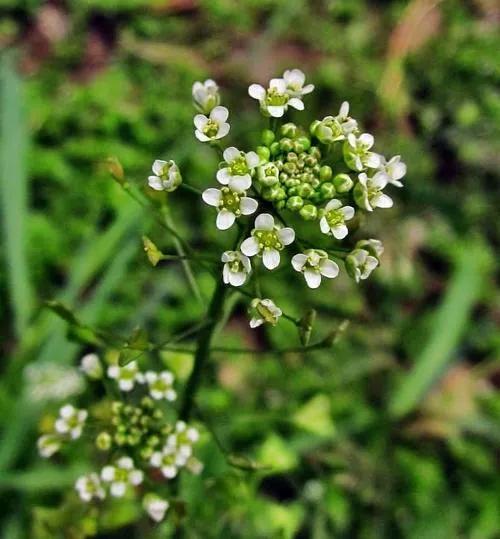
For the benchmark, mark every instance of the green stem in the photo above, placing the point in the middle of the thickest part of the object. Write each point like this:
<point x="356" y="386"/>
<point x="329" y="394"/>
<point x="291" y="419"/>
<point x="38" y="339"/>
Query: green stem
<point x="202" y="354"/>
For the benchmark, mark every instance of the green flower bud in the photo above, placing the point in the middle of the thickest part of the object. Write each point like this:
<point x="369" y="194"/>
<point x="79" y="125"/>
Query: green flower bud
<point x="270" y="193"/>
<point x="327" y="190"/>
<point x="292" y="191"/>
<point x="298" y="147"/>
<point x="280" y="205"/>
<point x="286" y="144"/>
<point x="313" y="126"/>
<point x="268" y="174"/>
<point x="305" y="190"/>
<point x="311" y="161"/>
<point x="294" y="203"/>
<point x="325" y="173"/>
<point x="147" y="403"/>
<point x="103" y="441"/>
<point x="120" y="439"/>
<point x="291" y="157"/>
<point x="116" y="407"/>
<point x="309" y="212"/>
<point x="315" y="151"/>
<point x="263" y="153"/>
<point x="146" y="452"/>
<point x="290" y="168"/>
<point x="305" y="142"/>
<point x="153" y="441"/>
<point x="342" y="183"/>
<point x="301" y="164"/>
<point x="315" y="183"/>
<point x="289" y="130"/>
<point x="284" y="177"/>
<point x="267" y="137"/>
<point x="275" y="148"/>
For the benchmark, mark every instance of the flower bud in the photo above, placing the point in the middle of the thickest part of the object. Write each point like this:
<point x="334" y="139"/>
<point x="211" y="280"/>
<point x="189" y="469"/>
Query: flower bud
<point x="327" y="190"/>
<point x="359" y="264"/>
<point x="309" y="212"/>
<point x="275" y="148"/>
<point x="305" y="190"/>
<point x="373" y="246"/>
<point x="286" y="144"/>
<point x="342" y="183"/>
<point x="305" y="142"/>
<point x="289" y="130"/>
<point x="91" y="366"/>
<point x="103" y="441"/>
<point x="206" y="96"/>
<point x="325" y="173"/>
<point x="267" y="137"/>
<point x="268" y="174"/>
<point x="294" y="203"/>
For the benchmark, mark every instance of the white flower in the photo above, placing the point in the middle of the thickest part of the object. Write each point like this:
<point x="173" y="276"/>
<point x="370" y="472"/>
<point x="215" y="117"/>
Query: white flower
<point x="359" y="264"/>
<point x="334" y="218"/>
<point x="372" y="246"/>
<point x="275" y="100"/>
<point x="89" y="487"/>
<point x="267" y="240"/>
<point x="230" y="205"/>
<point x="335" y="128"/>
<point x="70" y="421"/>
<point x="48" y="381"/>
<point x="368" y="192"/>
<point x="126" y="376"/>
<point x="212" y="127"/>
<point x="394" y="168"/>
<point x="91" y="366"/>
<point x="121" y="475"/>
<point x="168" y="460"/>
<point x="160" y="385"/>
<point x="194" y="466"/>
<point x="206" y="95"/>
<point x="314" y="263"/>
<point x="167" y="176"/>
<point x="264" y="310"/>
<point x="236" y="268"/>
<point x="155" y="506"/>
<point x="238" y="169"/>
<point x="182" y="440"/>
<point x="357" y="154"/>
<point x="48" y="445"/>
<point x="294" y="80"/>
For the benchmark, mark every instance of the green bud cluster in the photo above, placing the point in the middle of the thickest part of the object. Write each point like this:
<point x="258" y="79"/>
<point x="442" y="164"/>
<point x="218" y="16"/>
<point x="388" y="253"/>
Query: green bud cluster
<point x="293" y="177"/>
<point x="134" y="426"/>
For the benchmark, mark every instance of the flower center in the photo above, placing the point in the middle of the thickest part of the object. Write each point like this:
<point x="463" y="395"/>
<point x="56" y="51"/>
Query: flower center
<point x="211" y="128"/>
<point x="230" y="200"/>
<point x="275" y="99"/>
<point x="236" y="266"/>
<point x="335" y="217"/>
<point x="239" y="167"/>
<point x="268" y="239"/>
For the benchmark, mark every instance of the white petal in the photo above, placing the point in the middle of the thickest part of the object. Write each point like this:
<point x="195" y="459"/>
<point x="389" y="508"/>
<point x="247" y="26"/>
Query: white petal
<point x="227" y="256"/>
<point x="340" y="231"/>
<point x="373" y="160"/>
<point x="155" y="183"/>
<point x="248" y="205"/>
<point x="201" y="136"/>
<point x="212" y="196"/>
<point x="307" y="89"/>
<point x="271" y="258"/>
<point x="257" y="91"/>
<point x="398" y="170"/>
<point x="225" y="219"/>
<point x="169" y="471"/>
<point x="250" y="246"/>
<point x="344" y="109"/>
<point x="367" y="140"/>
<point x="230" y="154"/>
<point x="276" y="112"/>
<point x="252" y="159"/>
<point x="298" y="261"/>
<point x="219" y="114"/>
<point x="329" y="268"/>
<point x="348" y="212"/>
<point x="279" y="84"/>
<point x="118" y="489"/>
<point x="136" y="477"/>
<point x="334" y="204"/>
<point x="237" y="278"/>
<point x="108" y="473"/>
<point x="223" y="130"/>
<point x="200" y="121"/>
<point x="296" y="103"/>
<point x="380" y="180"/>
<point x="223" y="176"/>
<point x="324" y="226"/>
<point x="313" y="278"/>
<point x="286" y="235"/>
<point x="294" y="76"/>
<point x="256" y="322"/>
<point x="240" y="183"/>
<point x="384" y="201"/>
<point x="158" y="166"/>
<point x="264" y="221"/>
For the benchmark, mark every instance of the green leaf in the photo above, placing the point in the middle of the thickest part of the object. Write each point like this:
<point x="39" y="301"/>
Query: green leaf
<point x="472" y="263"/>
<point x="14" y="191"/>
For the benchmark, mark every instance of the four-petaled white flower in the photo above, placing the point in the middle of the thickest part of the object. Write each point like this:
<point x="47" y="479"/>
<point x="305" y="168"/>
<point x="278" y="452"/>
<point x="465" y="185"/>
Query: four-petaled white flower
<point x="359" y="264"/>
<point x="167" y="176"/>
<point x="160" y="385"/>
<point x="314" y="263"/>
<point x="230" y="205"/>
<point x="264" y="311"/>
<point x="182" y="440"/>
<point x="206" y="95"/>
<point x="212" y="127"/>
<point x="368" y="191"/>
<point x="236" y="268"/>
<point x="394" y="168"/>
<point x="90" y="364"/>
<point x="48" y="445"/>
<point x="335" y="128"/>
<point x="237" y="169"/>
<point x="89" y="487"/>
<point x="357" y="152"/>
<point x="155" y="506"/>
<point x="126" y="376"/>
<point x="294" y="80"/>
<point x="168" y="460"/>
<point x="70" y="421"/>
<point x="267" y="240"/>
<point x="121" y="476"/>
<point x="275" y="100"/>
<point x="334" y="218"/>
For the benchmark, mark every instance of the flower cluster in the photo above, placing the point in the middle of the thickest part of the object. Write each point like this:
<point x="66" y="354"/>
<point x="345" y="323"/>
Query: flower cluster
<point x="137" y="436"/>
<point x="326" y="173"/>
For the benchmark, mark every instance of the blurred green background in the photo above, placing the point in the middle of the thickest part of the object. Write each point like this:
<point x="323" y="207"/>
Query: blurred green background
<point x="395" y="432"/>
